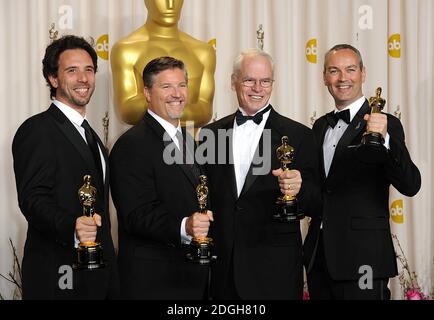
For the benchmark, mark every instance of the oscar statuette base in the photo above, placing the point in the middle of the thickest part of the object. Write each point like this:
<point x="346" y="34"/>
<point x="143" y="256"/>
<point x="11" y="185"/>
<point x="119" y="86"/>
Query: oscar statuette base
<point x="287" y="210"/>
<point x="201" y="251"/>
<point x="89" y="257"/>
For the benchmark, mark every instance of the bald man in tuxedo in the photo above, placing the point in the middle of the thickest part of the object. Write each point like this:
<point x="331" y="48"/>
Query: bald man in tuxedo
<point x="257" y="256"/>
<point x="351" y="235"/>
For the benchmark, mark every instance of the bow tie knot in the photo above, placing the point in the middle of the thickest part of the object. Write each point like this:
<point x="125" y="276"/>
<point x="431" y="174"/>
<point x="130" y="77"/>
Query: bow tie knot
<point x="333" y="117"/>
<point x="257" y="118"/>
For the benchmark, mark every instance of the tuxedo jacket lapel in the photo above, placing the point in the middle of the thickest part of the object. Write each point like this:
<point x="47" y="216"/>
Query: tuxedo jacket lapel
<point x="229" y="161"/>
<point x="276" y="136"/>
<point x="72" y="135"/>
<point x="194" y="178"/>
<point x="323" y="125"/>
<point x="251" y="176"/>
<point x="107" y="169"/>
<point x="159" y="131"/>
<point x="223" y="137"/>
<point x="354" y="129"/>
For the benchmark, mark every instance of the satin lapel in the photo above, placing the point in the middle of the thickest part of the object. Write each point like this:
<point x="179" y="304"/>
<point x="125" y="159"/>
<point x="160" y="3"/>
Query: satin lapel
<point x="72" y="135"/>
<point x="187" y="168"/>
<point x="354" y="128"/>
<point x="159" y="131"/>
<point x="256" y="165"/>
<point x="228" y="166"/>
<point x="251" y="176"/>
<point x="107" y="172"/>
<point x="322" y="126"/>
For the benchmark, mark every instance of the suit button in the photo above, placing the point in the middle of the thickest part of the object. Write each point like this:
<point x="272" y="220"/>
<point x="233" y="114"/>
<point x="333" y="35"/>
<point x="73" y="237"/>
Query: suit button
<point x="238" y="208"/>
<point x="328" y="191"/>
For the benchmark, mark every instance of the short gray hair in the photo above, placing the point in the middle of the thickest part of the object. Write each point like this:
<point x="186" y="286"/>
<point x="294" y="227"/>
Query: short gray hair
<point x="343" y="46"/>
<point x="253" y="52"/>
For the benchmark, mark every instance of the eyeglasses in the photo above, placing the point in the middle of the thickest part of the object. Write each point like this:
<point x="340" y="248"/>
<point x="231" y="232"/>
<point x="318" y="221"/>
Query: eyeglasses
<point x="265" y="83"/>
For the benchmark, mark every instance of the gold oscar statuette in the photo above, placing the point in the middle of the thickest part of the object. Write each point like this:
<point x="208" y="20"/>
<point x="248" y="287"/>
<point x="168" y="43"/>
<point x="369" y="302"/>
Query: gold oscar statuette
<point x="89" y="254"/>
<point x="287" y="206"/>
<point x="161" y="36"/>
<point x="201" y="247"/>
<point x="371" y="148"/>
<point x="260" y="37"/>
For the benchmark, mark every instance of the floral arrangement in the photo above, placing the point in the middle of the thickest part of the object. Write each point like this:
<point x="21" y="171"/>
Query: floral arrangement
<point x="407" y="278"/>
<point x="14" y="276"/>
<point x="305" y="292"/>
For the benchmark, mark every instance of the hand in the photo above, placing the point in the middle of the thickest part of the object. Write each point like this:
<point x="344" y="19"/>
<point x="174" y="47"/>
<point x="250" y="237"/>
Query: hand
<point x="377" y="122"/>
<point x="86" y="228"/>
<point x="197" y="225"/>
<point x="289" y="181"/>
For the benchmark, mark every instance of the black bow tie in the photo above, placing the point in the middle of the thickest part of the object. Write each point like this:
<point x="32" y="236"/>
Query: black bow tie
<point x="257" y="118"/>
<point x="333" y="117"/>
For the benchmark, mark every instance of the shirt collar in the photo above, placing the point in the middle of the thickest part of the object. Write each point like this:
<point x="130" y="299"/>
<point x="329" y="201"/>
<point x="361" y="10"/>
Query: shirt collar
<point x="354" y="107"/>
<point x="72" y="115"/>
<point x="168" y="127"/>
<point x="245" y="114"/>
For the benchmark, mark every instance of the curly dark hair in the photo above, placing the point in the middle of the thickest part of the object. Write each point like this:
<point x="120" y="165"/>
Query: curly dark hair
<point x="50" y="63"/>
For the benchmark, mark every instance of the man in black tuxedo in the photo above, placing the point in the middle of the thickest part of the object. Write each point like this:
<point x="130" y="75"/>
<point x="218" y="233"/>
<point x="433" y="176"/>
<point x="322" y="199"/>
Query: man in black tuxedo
<point x="154" y="193"/>
<point x="349" y="250"/>
<point x="52" y="153"/>
<point x="257" y="257"/>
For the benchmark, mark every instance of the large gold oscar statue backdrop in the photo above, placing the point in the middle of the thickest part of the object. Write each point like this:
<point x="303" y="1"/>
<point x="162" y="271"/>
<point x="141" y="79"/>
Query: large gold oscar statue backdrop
<point x="160" y="36"/>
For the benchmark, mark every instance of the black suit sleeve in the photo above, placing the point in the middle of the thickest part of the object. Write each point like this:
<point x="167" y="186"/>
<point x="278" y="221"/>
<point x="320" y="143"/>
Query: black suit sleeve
<point x="306" y="162"/>
<point x="134" y="184"/>
<point x="400" y="169"/>
<point x="35" y="174"/>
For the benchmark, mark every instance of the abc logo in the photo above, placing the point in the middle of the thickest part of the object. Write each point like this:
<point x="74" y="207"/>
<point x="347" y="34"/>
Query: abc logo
<point x="312" y="51"/>
<point x="102" y="47"/>
<point x="395" y="45"/>
<point x="397" y="211"/>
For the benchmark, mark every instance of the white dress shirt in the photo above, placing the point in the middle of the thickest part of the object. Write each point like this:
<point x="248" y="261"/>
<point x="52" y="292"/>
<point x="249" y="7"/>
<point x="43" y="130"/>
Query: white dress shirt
<point x="168" y="127"/>
<point x="245" y="141"/>
<point x="333" y="135"/>
<point x="77" y="119"/>
<point x="171" y="131"/>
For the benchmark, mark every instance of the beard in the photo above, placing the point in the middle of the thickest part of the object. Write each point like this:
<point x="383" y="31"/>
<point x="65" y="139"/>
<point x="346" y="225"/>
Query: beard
<point x="73" y="98"/>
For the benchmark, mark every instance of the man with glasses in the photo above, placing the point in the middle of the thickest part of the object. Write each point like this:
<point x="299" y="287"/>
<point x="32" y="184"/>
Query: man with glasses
<point x="257" y="257"/>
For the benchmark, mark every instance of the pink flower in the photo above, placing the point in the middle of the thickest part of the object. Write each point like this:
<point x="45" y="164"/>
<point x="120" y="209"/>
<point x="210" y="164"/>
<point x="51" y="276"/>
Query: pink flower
<point x="306" y="295"/>
<point x="414" y="294"/>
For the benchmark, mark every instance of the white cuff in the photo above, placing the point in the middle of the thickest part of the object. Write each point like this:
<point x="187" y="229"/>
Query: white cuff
<point x="185" y="238"/>
<point x="76" y="241"/>
<point x="386" y="141"/>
